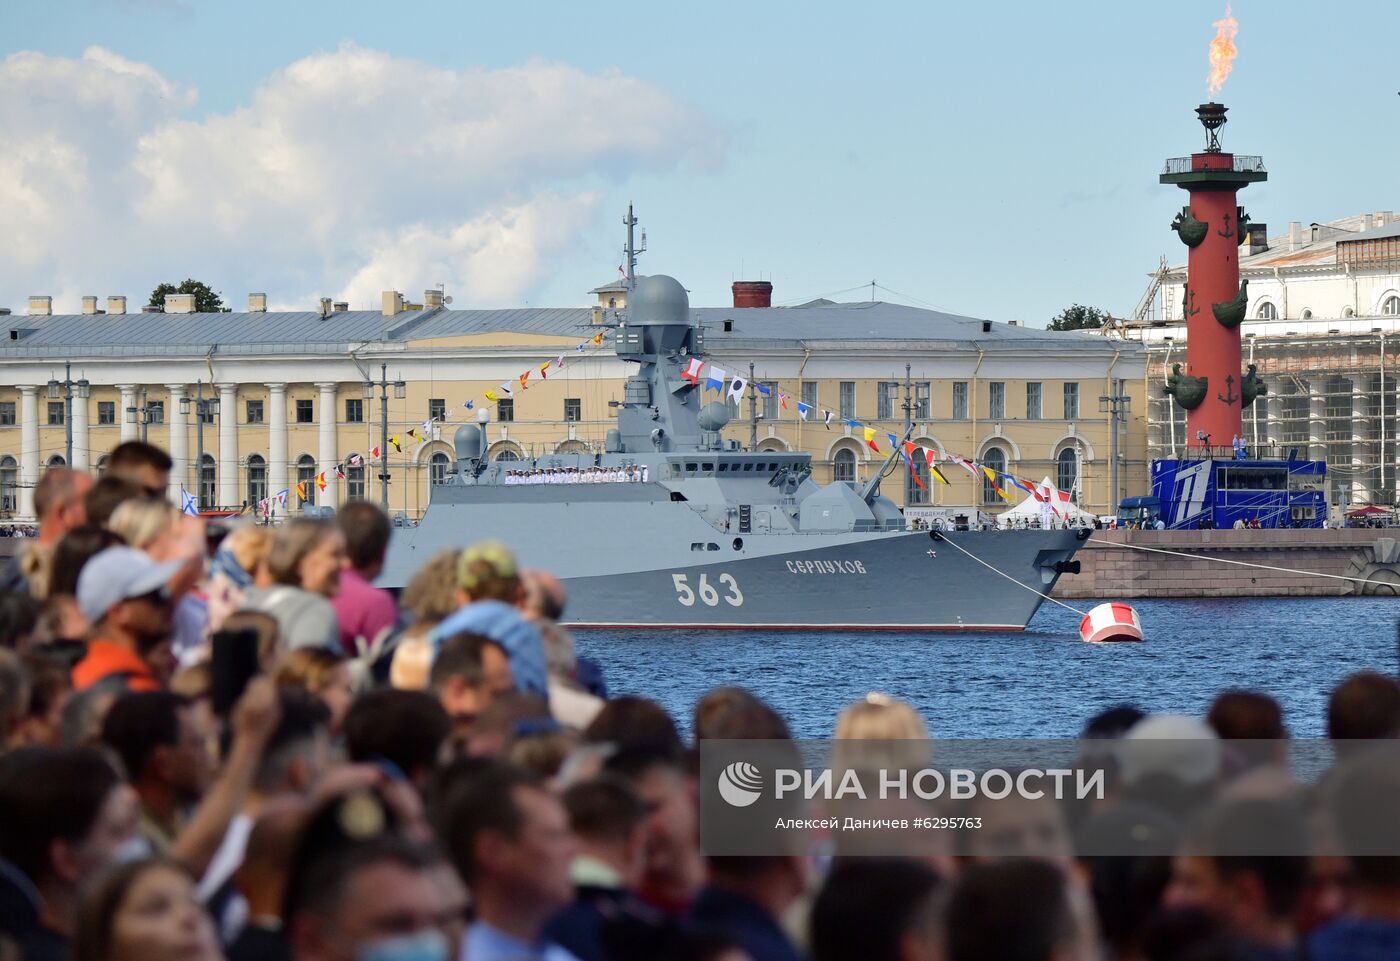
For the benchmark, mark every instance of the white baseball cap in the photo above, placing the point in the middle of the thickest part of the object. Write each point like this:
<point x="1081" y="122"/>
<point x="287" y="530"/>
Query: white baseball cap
<point x="118" y="574"/>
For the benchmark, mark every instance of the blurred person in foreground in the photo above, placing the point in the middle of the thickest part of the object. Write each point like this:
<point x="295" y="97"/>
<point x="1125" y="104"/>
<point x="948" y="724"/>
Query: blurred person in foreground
<point x="125" y="595"/>
<point x="304" y="565"/>
<point x="59" y="505"/>
<point x="876" y="909"/>
<point x="467" y="676"/>
<point x="366" y="614"/>
<point x="1246" y="864"/>
<point x="490" y="594"/>
<point x="1365" y="707"/>
<point x="509" y="838"/>
<point x="145" y="911"/>
<point x="65" y="816"/>
<point x="609" y="822"/>
<point x="674" y="870"/>
<point x="1017" y="910"/>
<point x="1361" y="802"/>
<point x="143" y="464"/>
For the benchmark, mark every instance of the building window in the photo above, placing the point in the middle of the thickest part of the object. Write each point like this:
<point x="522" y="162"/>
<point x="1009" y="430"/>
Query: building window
<point x="55" y="413"/>
<point x="918" y="466"/>
<point x="504" y="453"/>
<point x="207" y="479"/>
<point x="7" y="413"/>
<point x="1071" y="401"/>
<point x="923" y="399"/>
<point x="505" y="410"/>
<point x="959" y="400"/>
<point x="437" y="468"/>
<point x="1067" y="470"/>
<point x="573" y="409"/>
<point x="354" y="411"/>
<point x="1391" y="306"/>
<point x="1266" y="311"/>
<point x="886" y="399"/>
<point x="305" y="412"/>
<point x="106" y="413"/>
<point x="848" y="399"/>
<point x="437" y="409"/>
<point x="156" y="410"/>
<point x="56" y="461"/>
<point x="770" y="400"/>
<point x="9" y="483"/>
<point x="101" y="467"/>
<point x="355" y="481"/>
<point x="306" y="476"/>
<point x="996" y="405"/>
<point x="809" y="393"/>
<point x="254" y="409"/>
<point x="1033" y="391"/>
<point x="995" y="458"/>
<point x="257" y="478"/>
<point x="843" y="466"/>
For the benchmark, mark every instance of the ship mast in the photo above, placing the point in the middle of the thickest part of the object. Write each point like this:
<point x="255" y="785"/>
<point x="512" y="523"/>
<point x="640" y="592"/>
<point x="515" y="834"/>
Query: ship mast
<point x="753" y="412"/>
<point x="632" y="249"/>
<point x="908" y="430"/>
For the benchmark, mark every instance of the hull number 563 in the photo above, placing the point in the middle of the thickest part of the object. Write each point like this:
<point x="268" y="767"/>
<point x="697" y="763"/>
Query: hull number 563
<point x="709" y="595"/>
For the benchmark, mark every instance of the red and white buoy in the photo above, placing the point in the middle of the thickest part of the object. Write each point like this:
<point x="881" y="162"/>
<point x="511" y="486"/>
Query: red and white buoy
<point x="1110" y="622"/>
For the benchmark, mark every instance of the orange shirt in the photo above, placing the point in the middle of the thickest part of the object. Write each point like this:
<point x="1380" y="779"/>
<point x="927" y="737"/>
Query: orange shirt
<point x="104" y="658"/>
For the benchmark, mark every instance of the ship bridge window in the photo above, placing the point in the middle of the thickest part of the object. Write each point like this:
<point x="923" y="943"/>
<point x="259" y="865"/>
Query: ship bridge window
<point x="691" y="468"/>
<point x="701" y="546"/>
<point x="748" y="467"/>
<point x="723" y="467"/>
<point x="709" y="468"/>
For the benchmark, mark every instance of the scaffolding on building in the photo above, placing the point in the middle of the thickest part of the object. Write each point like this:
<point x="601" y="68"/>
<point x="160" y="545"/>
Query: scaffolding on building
<point x="1331" y="398"/>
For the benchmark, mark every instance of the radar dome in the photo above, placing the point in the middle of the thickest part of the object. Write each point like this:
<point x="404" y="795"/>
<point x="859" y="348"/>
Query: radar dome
<point x="658" y="299"/>
<point x="468" y="442"/>
<point x="714" y="415"/>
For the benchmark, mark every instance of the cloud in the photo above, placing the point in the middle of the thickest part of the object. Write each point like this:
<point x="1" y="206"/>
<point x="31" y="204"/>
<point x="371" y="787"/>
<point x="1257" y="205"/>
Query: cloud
<point x="345" y="173"/>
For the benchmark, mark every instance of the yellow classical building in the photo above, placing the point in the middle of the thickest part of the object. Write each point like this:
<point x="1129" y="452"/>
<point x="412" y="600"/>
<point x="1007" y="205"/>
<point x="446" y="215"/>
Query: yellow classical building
<point x="255" y="402"/>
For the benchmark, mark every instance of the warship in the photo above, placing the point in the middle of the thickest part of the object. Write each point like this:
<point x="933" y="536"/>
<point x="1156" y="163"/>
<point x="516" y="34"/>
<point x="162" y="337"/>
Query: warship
<point x="673" y="525"/>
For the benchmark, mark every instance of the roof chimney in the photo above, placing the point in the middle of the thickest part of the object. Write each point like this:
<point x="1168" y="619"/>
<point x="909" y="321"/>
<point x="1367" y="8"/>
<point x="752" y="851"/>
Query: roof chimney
<point x="1384" y="217"/>
<point x="432" y="297"/>
<point x="1368" y="221"/>
<point x="179" y="303"/>
<point x="257" y="303"/>
<point x="116" y="305"/>
<point x="392" y="302"/>
<point x="340" y="306"/>
<point x="325" y="307"/>
<point x="1295" y="235"/>
<point x="40" y="306"/>
<point x="89" y="305"/>
<point x="753" y="293"/>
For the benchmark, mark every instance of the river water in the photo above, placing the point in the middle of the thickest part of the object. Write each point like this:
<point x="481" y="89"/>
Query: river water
<point x="1042" y="683"/>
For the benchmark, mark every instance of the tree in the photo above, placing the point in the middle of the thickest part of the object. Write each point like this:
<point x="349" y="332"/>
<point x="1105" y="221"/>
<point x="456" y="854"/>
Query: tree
<point x="1078" y="317"/>
<point x="206" y="301"/>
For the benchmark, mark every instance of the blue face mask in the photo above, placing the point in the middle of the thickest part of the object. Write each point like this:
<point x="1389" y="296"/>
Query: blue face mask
<point x="429" y="945"/>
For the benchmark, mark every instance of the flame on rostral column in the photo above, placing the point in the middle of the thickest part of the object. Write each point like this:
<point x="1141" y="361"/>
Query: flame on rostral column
<point x="1222" y="51"/>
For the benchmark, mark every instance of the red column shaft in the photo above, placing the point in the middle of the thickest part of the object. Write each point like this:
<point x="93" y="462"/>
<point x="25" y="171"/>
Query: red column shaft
<point x="1213" y="277"/>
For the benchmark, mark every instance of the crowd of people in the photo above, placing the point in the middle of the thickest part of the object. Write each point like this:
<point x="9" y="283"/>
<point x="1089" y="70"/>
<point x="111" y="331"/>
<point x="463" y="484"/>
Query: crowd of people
<point x="229" y="744"/>
<point x="626" y="474"/>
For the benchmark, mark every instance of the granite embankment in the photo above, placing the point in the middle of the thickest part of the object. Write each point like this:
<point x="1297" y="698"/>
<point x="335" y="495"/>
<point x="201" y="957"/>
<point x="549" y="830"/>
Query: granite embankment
<point x="1115" y="565"/>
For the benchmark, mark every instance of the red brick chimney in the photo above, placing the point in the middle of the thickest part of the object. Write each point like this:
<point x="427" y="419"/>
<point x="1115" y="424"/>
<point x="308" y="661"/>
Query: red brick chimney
<point x="753" y="293"/>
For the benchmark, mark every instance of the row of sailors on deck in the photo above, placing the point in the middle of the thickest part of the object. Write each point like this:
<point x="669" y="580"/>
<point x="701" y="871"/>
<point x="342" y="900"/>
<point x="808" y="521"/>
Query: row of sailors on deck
<point x="629" y="474"/>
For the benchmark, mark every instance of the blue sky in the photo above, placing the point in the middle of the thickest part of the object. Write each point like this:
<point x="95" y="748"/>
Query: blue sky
<point x="998" y="160"/>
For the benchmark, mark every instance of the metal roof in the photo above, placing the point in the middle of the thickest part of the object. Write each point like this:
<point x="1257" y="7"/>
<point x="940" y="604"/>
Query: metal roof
<point x="308" y="332"/>
<point x="1375" y="233"/>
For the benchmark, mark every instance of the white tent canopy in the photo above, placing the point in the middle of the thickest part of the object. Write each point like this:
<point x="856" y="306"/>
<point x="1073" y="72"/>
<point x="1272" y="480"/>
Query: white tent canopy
<point x="1031" y="511"/>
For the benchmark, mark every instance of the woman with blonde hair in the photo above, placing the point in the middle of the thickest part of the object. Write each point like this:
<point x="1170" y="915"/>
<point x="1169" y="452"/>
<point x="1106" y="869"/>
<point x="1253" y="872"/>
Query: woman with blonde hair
<point x="165" y="534"/>
<point x="899" y="730"/>
<point x="240" y="563"/>
<point x="304" y="566"/>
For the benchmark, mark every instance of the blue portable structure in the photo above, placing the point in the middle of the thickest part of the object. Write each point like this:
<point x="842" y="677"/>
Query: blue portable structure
<point x="1216" y="492"/>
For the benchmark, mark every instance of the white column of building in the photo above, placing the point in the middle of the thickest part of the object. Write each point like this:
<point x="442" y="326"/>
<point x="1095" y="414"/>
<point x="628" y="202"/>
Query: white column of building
<point x="1271" y="430"/>
<point x="325" y="452"/>
<point x="228" y="446"/>
<point x="1360" y="439"/>
<point x="277" y="445"/>
<point x="129" y="431"/>
<point x="81" y="460"/>
<point x="28" y="449"/>
<point x="179" y="443"/>
<point x="1317" y="420"/>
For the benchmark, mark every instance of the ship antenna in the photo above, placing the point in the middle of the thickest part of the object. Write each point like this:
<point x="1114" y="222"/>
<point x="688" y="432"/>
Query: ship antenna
<point x="631" y="251"/>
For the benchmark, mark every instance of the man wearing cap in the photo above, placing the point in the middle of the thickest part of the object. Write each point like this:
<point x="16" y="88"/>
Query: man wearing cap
<point x="124" y="594"/>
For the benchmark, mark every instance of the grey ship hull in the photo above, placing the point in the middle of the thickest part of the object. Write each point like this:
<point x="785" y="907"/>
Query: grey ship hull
<point x="631" y="557"/>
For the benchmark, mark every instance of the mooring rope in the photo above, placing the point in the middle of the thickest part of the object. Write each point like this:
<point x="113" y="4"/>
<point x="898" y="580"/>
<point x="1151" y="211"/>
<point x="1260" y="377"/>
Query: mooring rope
<point x="945" y="539"/>
<point x="1226" y="560"/>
